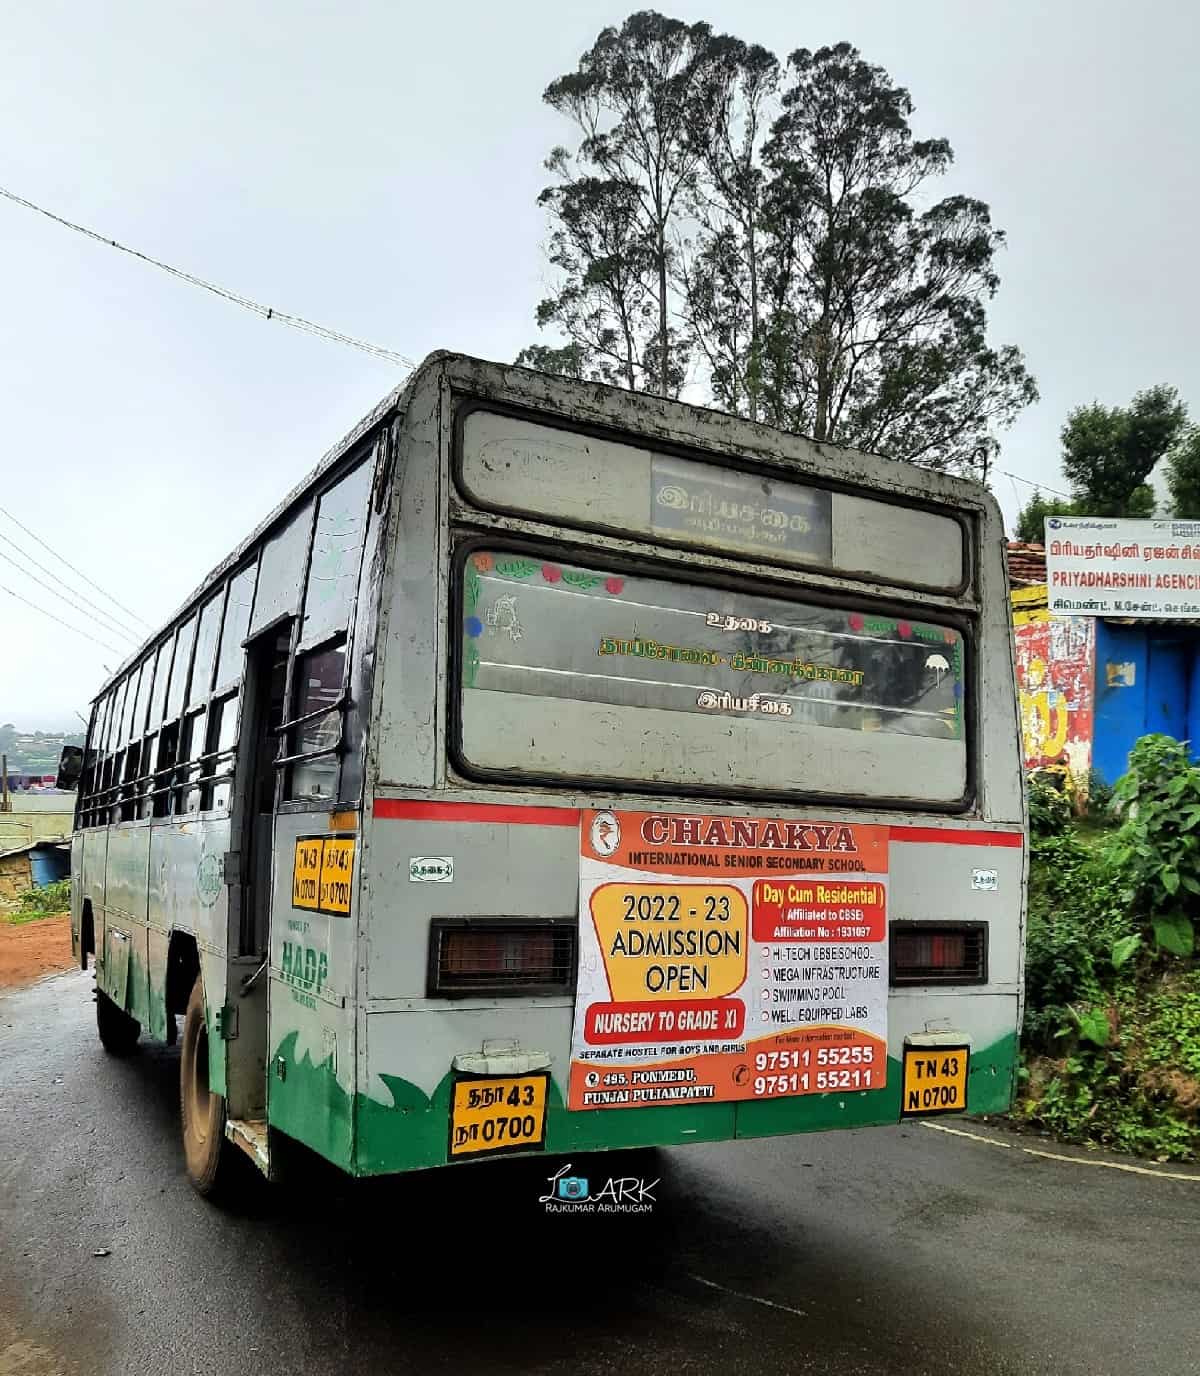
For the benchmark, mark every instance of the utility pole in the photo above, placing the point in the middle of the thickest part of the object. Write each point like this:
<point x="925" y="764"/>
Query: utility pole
<point x="5" y="796"/>
<point x="983" y="458"/>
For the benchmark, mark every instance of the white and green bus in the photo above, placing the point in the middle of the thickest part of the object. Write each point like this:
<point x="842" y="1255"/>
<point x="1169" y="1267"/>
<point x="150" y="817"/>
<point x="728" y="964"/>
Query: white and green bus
<point x="561" y="769"/>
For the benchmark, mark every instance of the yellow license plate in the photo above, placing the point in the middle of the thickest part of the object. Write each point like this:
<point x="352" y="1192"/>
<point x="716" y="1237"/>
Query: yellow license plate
<point x="499" y="1113"/>
<point x="935" y="1080"/>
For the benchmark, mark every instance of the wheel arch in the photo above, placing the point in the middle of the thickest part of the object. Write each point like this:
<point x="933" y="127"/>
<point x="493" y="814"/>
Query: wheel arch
<point x="183" y="965"/>
<point x="87" y="933"/>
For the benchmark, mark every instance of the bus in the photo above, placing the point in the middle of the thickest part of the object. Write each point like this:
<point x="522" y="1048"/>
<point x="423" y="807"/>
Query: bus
<point x="562" y="769"/>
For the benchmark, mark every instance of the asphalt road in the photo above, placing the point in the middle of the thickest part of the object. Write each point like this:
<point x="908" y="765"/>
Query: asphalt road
<point x="899" y="1250"/>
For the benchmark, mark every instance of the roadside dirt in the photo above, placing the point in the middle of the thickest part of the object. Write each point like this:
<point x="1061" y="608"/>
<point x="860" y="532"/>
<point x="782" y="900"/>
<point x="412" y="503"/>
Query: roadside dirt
<point x="29" y="950"/>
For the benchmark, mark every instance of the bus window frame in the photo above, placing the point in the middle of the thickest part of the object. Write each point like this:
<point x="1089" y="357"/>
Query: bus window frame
<point x="466" y="406"/>
<point x="366" y="452"/>
<point x="464" y="544"/>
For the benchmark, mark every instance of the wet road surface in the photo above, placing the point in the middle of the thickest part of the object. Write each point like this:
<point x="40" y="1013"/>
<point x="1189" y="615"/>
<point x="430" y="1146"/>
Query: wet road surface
<point x="898" y="1250"/>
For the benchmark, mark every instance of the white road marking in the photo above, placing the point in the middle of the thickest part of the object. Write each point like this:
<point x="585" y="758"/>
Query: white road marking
<point x="750" y="1299"/>
<point x="1059" y="1156"/>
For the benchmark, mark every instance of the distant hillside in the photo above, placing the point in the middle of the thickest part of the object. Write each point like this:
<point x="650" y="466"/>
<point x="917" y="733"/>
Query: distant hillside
<point x="34" y="752"/>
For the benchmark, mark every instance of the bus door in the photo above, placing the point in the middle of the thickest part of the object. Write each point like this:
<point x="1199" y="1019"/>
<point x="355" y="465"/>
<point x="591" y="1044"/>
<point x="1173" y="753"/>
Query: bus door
<point x="249" y="938"/>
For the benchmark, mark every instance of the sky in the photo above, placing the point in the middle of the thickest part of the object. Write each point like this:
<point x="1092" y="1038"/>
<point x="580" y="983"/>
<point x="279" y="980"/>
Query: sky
<point x="375" y="165"/>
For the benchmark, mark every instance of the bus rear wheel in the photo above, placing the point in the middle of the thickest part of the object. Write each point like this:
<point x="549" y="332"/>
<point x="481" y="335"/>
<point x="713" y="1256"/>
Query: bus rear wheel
<point x="118" y="1031"/>
<point x="207" y="1152"/>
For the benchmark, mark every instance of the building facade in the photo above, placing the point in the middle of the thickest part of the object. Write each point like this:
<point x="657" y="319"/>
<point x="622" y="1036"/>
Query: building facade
<point x="1089" y="687"/>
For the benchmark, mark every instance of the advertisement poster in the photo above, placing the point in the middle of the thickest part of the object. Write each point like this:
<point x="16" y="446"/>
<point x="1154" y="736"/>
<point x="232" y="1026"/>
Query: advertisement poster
<point x="728" y="958"/>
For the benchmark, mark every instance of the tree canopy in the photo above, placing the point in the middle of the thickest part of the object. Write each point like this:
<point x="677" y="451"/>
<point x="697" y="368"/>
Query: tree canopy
<point x="767" y="235"/>
<point x="1031" y="520"/>
<point x="1183" y="474"/>
<point x="1109" y="452"/>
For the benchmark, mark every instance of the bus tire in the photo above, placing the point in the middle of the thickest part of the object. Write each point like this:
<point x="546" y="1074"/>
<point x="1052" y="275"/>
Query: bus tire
<point x="118" y="1031"/>
<point x="208" y="1154"/>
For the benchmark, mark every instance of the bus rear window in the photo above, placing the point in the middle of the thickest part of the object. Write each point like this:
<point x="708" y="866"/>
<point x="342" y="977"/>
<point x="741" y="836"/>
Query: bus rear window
<point x="586" y="673"/>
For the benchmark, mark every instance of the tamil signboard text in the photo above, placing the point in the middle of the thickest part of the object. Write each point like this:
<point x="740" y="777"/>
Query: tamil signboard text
<point x="1102" y="566"/>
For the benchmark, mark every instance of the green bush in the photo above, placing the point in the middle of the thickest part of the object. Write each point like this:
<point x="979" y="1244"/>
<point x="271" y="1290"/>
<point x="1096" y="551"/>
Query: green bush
<point x="1111" y="1042"/>
<point x="1141" y="1093"/>
<point x="1049" y="808"/>
<point x="1077" y="918"/>
<point x="1156" y="852"/>
<point x="43" y="901"/>
<point x="1099" y="794"/>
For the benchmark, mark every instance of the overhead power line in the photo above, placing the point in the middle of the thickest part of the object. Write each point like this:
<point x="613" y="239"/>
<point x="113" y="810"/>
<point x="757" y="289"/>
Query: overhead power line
<point x="1041" y="487"/>
<point x="112" y="623"/>
<point x="62" y="557"/>
<point x="297" y="322"/>
<point x="74" y="629"/>
<point x="41" y="582"/>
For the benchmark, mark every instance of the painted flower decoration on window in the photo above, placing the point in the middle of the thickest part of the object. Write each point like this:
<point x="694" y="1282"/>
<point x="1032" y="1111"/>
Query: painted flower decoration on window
<point x="483" y="562"/>
<point x="856" y="621"/>
<point x="614" y="585"/>
<point x="903" y="630"/>
<point x="551" y="573"/>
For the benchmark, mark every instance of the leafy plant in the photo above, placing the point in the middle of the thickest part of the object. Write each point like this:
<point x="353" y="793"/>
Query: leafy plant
<point x="1099" y="794"/>
<point x="1124" y="948"/>
<point x="1112" y="1014"/>
<point x="1093" y="1025"/>
<point x="43" y="901"/>
<point x="1049" y="809"/>
<point x="1157" y="849"/>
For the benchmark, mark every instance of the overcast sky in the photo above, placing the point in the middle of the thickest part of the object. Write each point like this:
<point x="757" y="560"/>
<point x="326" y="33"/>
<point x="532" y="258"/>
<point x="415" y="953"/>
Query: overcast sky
<point x="374" y="166"/>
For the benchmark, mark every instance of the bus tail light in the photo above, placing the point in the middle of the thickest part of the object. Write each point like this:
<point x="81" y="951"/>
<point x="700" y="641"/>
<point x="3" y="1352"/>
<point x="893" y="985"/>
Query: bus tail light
<point x="938" y="953"/>
<point x="486" y="957"/>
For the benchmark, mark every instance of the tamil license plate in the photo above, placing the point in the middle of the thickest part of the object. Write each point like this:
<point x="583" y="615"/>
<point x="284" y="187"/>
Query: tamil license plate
<point x="935" y="1080"/>
<point x="498" y="1113"/>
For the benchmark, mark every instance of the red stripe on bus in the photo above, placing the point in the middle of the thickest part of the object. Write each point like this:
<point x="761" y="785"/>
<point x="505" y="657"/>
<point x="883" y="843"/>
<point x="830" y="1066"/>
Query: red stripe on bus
<point x="413" y="810"/>
<point x="416" y="810"/>
<point x="945" y="836"/>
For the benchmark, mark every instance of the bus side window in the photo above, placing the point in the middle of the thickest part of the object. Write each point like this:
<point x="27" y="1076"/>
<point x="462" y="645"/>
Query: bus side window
<point x="141" y="801"/>
<point x="191" y="763"/>
<point x="222" y="738"/>
<point x="147" y="776"/>
<point x="168" y="740"/>
<point x="89" y="781"/>
<point x="319" y="678"/>
<point x="111" y="777"/>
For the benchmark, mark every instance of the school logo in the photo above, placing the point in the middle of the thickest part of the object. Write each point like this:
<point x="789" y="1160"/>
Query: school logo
<point x="606" y="834"/>
<point x="210" y="875"/>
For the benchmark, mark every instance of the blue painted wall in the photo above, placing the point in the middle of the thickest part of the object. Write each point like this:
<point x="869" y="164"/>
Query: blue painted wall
<point x="1147" y="680"/>
<point x="49" y="865"/>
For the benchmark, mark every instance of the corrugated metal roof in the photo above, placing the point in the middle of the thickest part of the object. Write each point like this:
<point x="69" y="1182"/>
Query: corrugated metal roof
<point x="1026" y="563"/>
<point x="59" y="844"/>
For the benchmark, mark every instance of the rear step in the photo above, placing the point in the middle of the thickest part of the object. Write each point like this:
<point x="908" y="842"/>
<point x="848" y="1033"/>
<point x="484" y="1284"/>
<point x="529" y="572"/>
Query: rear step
<point x="251" y="1135"/>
